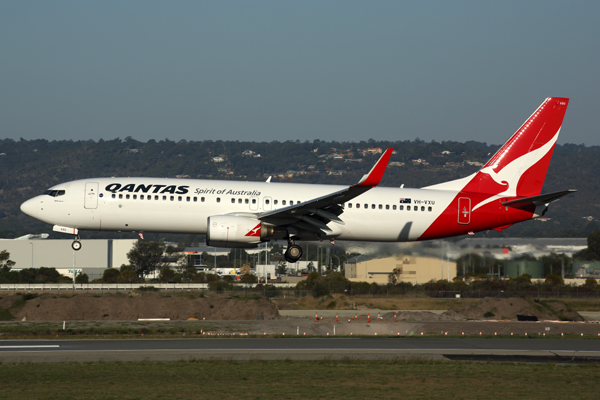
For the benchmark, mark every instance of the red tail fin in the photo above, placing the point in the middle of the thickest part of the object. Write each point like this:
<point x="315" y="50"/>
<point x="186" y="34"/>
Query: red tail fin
<point x="523" y="161"/>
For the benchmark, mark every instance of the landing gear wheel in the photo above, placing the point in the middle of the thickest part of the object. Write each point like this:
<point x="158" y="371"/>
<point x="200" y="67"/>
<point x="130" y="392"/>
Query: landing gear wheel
<point x="293" y="253"/>
<point x="76" y="245"/>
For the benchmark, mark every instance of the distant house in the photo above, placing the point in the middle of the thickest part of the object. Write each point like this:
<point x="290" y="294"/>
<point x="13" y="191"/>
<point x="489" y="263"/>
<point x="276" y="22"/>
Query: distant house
<point x="218" y="159"/>
<point x="249" y="153"/>
<point x="420" y="161"/>
<point x="474" y="163"/>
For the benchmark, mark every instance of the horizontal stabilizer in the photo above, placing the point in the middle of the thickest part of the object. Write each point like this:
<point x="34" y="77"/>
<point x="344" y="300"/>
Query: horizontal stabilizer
<point x="537" y="200"/>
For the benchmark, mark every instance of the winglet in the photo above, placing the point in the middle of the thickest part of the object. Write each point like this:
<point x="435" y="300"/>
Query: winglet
<point x="374" y="176"/>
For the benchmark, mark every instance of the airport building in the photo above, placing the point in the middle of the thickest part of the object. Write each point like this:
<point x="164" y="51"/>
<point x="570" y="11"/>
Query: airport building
<point x="94" y="257"/>
<point x="413" y="269"/>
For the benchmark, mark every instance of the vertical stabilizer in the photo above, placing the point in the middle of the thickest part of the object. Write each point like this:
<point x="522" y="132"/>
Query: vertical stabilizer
<point x="519" y="167"/>
<point x="523" y="161"/>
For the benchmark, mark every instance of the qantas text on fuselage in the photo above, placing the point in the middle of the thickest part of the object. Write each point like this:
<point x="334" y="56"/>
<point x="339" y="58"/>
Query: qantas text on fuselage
<point x="505" y="191"/>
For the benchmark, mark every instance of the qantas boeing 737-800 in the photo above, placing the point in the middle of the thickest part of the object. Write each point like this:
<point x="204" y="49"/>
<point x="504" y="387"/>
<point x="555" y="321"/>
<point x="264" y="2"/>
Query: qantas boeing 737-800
<point x="244" y="214"/>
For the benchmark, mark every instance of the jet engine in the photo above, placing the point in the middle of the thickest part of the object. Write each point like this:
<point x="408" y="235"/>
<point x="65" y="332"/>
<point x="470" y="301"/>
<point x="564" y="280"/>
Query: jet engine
<point x="236" y="231"/>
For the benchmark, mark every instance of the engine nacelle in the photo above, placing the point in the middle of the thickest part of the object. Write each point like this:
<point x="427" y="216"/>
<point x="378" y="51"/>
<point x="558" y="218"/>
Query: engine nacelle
<point x="236" y="231"/>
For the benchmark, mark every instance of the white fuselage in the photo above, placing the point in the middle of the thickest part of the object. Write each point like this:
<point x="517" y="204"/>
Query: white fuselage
<point x="184" y="205"/>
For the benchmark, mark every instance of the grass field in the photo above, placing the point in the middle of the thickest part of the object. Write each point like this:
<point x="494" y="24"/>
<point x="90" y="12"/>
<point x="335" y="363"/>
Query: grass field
<point x="297" y="380"/>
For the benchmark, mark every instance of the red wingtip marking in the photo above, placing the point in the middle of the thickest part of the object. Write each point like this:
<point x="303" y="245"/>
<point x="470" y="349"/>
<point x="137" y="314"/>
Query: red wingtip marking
<point x="374" y="176"/>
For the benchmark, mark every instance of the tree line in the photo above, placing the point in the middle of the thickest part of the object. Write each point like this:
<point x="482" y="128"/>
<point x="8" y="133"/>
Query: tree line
<point x="29" y="167"/>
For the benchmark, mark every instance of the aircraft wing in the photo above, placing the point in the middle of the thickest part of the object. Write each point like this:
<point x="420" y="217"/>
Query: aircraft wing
<point x="315" y="214"/>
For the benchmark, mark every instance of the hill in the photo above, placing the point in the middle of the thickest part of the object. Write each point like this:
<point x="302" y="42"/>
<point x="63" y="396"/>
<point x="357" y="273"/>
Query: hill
<point x="28" y="168"/>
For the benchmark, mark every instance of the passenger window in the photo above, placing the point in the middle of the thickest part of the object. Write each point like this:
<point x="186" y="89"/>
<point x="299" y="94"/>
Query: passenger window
<point x="366" y="206"/>
<point x="407" y="208"/>
<point x="179" y="198"/>
<point x="291" y="202"/>
<point x="218" y="199"/>
<point x="187" y="198"/>
<point x="283" y="202"/>
<point x="232" y="201"/>
<point x="246" y="201"/>
<point x="387" y="206"/>
<point x="349" y="205"/>
<point x="429" y="208"/>
<point x="422" y="208"/>
<point x="156" y="197"/>
<point x="195" y="199"/>
<point x="267" y="201"/>
<point x="380" y="207"/>
<point x="239" y="201"/>
<point x="202" y="199"/>
<point x="135" y="196"/>
<point x="394" y="207"/>
<point x="120" y="196"/>
<point x="141" y="197"/>
<point x="357" y="205"/>
<point x="114" y="196"/>
<point x="274" y="201"/>
<point x="127" y="196"/>
<point x="373" y="206"/>
<point x="253" y="201"/>
<point x="401" y="208"/>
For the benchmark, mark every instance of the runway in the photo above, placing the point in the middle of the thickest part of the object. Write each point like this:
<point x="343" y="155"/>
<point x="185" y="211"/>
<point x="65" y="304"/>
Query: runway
<point x="545" y="350"/>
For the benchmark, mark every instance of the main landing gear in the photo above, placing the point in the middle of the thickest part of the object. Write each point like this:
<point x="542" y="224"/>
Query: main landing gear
<point x="76" y="245"/>
<point x="293" y="252"/>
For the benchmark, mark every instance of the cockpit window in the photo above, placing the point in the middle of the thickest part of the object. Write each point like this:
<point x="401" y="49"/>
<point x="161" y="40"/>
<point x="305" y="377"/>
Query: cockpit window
<point x="54" y="193"/>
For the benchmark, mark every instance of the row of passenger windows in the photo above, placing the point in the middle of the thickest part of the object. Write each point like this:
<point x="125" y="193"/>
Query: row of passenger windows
<point x="267" y="201"/>
<point x="387" y="207"/>
<point x="195" y="199"/>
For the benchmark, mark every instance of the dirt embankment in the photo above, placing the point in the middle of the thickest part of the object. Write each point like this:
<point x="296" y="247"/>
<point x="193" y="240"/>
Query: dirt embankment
<point x="88" y="307"/>
<point x="133" y="306"/>
<point x="508" y="309"/>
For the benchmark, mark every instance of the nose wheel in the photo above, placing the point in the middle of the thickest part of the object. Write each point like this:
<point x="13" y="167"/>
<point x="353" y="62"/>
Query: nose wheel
<point x="76" y="245"/>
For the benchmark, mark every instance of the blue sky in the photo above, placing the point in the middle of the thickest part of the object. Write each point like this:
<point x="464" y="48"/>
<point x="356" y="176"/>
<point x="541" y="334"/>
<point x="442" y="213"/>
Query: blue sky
<point x="282" y="70"/>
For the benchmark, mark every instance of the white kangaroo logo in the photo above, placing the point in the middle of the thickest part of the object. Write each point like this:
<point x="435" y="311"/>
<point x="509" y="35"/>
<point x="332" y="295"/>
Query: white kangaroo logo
<point x="512" y="172"/>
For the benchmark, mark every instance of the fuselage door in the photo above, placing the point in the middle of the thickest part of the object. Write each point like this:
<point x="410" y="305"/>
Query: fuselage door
<point x="267" y="203"/>
<point x="464" y="210"/>
<point x="91" y="195"/>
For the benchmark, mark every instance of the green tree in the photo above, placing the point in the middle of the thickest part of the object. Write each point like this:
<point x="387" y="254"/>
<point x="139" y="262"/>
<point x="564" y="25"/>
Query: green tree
<point x="249" y="278"/>
<point x="82" y="278"/>
<point x="166" y="274"/>
<point x="395" y="275"/>
<point x="128" y="277"/>
<point x="554" y="280"/>
<point x="281" y="268"/>
<point x="5" y="262"/>
<point x="146" y="257"/>
<point x="110" y="275"/>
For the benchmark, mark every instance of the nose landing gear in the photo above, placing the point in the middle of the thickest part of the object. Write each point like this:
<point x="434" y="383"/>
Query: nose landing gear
<point x="76" y="245"/>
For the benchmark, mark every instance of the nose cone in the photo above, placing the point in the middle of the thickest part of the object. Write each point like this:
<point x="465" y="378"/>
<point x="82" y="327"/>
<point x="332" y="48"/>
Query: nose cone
<point x="31" y="206"/>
